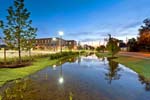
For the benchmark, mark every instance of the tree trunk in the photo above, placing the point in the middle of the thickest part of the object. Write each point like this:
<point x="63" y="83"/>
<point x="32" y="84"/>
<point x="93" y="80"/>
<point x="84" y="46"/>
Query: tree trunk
<point x="19" y="50"/>
<point x="4" y="55"/>
<point x="30" y="54"/>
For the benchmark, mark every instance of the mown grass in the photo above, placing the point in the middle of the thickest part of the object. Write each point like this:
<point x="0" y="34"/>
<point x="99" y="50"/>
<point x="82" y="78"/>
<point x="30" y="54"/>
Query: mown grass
<point x="139" y="65"/>
<point x="8" y="74"/>
<point x="105" y="54"/>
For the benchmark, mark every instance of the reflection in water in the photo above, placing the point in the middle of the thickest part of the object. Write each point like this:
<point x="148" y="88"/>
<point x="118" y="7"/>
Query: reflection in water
<point x="17" y="91"/>
<point x="145" y="82"/>
<point x="61" y="78"/>
<point x="73" y="80"/>
<point x="79" y="60"/>
<point x="112" y="72"/>
<point x="70" y="96"/>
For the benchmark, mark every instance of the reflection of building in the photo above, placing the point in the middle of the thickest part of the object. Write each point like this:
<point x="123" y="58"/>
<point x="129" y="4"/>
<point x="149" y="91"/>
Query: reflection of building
<point x="51" y="44"/>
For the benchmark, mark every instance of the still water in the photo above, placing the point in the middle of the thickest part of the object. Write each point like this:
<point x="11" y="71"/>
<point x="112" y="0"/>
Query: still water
<point x="81" y="78"/>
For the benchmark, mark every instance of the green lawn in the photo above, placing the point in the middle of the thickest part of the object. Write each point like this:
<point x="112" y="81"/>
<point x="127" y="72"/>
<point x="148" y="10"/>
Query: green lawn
<point x="8" y="74"/>
<point x="141" y="66"/>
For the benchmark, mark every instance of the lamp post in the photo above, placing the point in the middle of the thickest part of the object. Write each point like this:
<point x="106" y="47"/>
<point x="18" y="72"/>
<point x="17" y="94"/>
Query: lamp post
<point x="61" y="33"/>
<point x="54" y="43"/>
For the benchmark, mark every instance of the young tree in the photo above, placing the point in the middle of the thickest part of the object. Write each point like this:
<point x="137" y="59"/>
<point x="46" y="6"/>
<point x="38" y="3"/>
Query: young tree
<point x="30" y="43"/>
<point x="17" y="29"/>
<point x="112" y="46"/>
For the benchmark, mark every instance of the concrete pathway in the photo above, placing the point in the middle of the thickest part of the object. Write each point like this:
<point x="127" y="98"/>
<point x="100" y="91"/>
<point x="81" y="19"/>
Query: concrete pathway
<point x="136" y="54"/>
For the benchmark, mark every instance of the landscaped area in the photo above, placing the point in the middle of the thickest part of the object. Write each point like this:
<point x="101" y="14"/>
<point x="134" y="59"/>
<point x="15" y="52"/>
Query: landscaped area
<point x="74" y="50"/>
<point x="85" y="77"/>
<point x="10" y="74"/>
<point x="139" y="65"/>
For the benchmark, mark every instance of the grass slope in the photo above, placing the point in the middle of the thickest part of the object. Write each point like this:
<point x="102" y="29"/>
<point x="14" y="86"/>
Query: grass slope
<point x="8" y="74"/>
<point x="141" y="66"/>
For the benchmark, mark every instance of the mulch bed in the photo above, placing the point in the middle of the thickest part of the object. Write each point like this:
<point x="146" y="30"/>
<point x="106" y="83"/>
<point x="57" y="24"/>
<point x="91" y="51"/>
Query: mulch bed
<point x="15" y="65"/>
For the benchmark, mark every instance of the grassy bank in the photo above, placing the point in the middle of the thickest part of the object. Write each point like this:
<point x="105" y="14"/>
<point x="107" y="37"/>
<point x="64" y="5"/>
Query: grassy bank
<point x="105" y="54"/>
<point x="141" y="66"/>
<point x="8" y="74"/>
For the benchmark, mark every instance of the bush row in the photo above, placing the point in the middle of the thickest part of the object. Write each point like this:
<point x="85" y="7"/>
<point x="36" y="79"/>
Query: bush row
<point x="63" y="54"/>
<point x="25" y="59"/>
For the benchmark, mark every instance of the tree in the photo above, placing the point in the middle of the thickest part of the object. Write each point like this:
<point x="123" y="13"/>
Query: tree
<point x="144" y="36"/>
<point x="30" y="39"/>
<point x="100" y="48"/>
<point x="17" y="29"/>
<point x="112" y="46"/>
<point x="132" y="45"/>
<point x="113" y="70"/>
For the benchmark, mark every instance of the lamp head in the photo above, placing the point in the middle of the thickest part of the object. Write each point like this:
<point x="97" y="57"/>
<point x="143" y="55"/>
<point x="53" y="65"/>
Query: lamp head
<point x="61" y="33"/>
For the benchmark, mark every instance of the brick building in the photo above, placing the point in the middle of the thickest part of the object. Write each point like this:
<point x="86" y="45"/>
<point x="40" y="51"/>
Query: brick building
<point x="54" y="44"/>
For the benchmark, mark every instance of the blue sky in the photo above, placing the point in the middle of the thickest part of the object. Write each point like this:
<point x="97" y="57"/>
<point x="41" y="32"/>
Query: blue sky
<point x="85" y="20"/>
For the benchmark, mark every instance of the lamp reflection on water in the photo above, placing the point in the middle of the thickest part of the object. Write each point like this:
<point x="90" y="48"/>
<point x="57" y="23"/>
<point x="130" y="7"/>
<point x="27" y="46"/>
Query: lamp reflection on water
<point x="61" y="78"/>
<point x="54" y="67"/>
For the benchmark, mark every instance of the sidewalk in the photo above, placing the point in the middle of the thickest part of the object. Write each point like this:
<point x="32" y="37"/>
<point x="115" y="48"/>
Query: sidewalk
<point x="136" y="54"/>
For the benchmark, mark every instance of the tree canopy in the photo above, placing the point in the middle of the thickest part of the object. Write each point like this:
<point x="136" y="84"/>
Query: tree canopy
<point x="18" y="29"/>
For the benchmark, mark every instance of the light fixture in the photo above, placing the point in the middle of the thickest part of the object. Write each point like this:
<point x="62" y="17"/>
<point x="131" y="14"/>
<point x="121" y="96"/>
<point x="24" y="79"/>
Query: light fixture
<point x="61" y="33"/>
<point x="54" y="39"/>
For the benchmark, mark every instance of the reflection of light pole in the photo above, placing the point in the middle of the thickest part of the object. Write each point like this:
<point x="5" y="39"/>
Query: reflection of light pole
<point x="61" y="33"/>
<point x="54" y="45"/>
<point x="61" y="79"/>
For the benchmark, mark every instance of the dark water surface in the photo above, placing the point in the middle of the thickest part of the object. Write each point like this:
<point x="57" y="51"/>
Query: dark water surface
<point x="82" y="78"/>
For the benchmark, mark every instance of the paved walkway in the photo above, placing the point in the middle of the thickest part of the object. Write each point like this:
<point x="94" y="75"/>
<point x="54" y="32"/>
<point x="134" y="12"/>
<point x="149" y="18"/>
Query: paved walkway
<point x="136" y="54"/>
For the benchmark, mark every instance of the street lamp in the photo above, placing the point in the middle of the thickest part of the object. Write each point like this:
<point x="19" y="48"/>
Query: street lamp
<point x="61" y="33"/>
<point x="54" y="43"/>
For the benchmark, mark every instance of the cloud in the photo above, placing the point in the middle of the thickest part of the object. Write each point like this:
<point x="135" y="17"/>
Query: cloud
<point x="120" y="31"/>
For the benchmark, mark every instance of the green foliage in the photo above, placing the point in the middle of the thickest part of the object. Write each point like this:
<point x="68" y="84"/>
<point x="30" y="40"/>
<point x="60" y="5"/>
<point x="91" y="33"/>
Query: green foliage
<point x="63" y="54"/>
<point x="144" y="36"/>
<point x="40" y="62"/>
<point x="132" y="45"/>
<point x="100" y="48"/>
<point x="18" y="29"/>
<point x="1" y="24"/>
<point x="112" y="46"/>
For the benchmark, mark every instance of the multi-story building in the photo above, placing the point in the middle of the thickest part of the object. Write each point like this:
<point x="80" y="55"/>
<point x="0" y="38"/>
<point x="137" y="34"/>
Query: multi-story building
<point x="54" y="44"/>
<point x="71" y="44"/>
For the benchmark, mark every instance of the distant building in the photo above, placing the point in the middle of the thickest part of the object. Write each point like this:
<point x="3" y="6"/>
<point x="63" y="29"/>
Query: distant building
<point x="71" y="44"/>
<point x="54" y="44"/>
